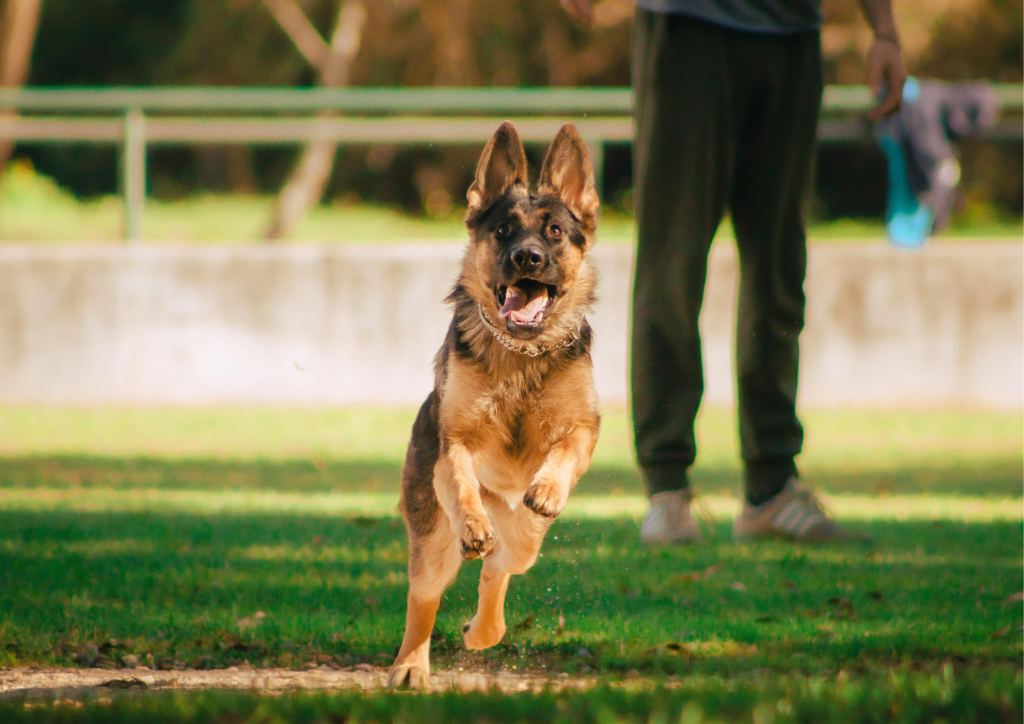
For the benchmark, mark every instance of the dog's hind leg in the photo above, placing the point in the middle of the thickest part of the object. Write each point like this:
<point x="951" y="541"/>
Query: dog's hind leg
<point x="433" y="562"/>
<point x="520" y="533"/>
<point x="488" y="625"/>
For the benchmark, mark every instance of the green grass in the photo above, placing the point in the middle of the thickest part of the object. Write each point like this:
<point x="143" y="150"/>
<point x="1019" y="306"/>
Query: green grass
<point x="155" y="532"/>
<point x="174" y="585"/>
<point x="323" y="450"/>
<point x="37" y="209"/>
<point x="924" y="604"/>
<point x="901" y="695"/>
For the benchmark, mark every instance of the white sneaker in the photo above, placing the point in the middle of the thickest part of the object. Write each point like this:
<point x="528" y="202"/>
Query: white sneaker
<point x="792" y="514"/>
<point x="668" y="521"/>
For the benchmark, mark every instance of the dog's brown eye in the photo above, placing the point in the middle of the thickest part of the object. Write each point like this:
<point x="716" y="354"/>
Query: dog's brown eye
<point x="504" y="230"/>
<point x="555" y="230"/>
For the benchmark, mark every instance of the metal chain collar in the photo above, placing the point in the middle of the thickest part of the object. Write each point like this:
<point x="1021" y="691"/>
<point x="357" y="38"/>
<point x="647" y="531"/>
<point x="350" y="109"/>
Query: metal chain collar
<point x="530" y="350"/>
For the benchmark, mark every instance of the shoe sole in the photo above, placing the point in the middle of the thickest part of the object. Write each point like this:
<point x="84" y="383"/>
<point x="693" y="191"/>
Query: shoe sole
<point x="847" y="538"/>
<point x="681" y="541"/>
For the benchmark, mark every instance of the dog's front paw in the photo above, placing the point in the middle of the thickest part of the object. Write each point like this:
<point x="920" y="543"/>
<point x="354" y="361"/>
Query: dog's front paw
<point x="481" y="633"/>
<point x="546" y="497"/>
<point x="409" y="675"/>
<point x="476" y="539"/>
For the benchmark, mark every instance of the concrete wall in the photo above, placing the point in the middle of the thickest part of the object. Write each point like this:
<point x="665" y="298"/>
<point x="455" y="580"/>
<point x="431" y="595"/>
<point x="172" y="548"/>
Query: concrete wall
<point x="338" y="324"/>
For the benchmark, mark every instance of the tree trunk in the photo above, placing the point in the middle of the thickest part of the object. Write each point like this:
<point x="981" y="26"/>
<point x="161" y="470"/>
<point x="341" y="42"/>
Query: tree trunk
<point x="241" y="177"/>
<point x="307" y="181"/>
<point x="20" y="21"/>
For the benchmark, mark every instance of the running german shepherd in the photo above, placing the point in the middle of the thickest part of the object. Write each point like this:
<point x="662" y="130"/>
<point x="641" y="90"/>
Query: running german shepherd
<point x="512" y="420"/>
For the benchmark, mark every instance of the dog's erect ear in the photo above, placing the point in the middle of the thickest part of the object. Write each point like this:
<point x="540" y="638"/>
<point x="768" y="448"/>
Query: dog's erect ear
<point x="502" y="164"/>
<point x="567" y="174"/>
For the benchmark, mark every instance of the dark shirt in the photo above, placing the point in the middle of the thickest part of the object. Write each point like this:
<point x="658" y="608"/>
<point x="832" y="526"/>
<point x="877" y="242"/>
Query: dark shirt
<point x="759" y="16"/>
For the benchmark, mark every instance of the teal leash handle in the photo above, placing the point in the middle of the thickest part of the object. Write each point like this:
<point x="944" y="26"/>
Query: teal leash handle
<point x="908" y="223"/>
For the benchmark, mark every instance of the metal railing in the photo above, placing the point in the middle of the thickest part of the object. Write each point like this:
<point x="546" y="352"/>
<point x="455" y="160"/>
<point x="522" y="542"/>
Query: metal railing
<point x="137" y="118"/>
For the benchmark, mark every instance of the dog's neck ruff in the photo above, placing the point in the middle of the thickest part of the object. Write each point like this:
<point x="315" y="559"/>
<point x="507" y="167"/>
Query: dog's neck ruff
<point x="527" y="348"/>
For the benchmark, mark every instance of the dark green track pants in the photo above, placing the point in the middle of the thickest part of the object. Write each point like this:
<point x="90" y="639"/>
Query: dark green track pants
<point x="724" y="118"/>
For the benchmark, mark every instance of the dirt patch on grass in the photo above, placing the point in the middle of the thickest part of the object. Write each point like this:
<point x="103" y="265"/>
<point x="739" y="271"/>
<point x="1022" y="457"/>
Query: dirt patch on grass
<point x="76" y="684"/>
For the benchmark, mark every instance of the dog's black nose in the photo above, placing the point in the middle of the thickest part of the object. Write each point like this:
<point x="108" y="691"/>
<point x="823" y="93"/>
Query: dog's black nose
<point x="529" y="257"/>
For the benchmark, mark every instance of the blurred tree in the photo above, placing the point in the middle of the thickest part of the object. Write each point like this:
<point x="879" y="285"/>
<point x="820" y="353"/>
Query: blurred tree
<point x="333" y="62"/>
<point x="104" y="42"/>
<point x="479" y="42"/>
<point x="944" y="39"/>
<point x="17" y="34"/>
<point x="984" y="39"/>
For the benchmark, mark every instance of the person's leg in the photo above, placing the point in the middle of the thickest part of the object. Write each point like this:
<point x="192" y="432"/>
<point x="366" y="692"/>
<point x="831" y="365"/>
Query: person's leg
<point x="773" y="173"/>
<point x="682" y="158"/>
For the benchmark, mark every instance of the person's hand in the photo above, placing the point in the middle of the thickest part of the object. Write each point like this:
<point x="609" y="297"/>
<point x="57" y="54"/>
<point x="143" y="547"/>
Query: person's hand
<point x="580" y="12"/>
<point x="885" y="64"/>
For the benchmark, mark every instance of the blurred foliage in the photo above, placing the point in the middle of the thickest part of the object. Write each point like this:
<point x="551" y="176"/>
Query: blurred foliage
<point x="459" y="42"/>
<point x="983" y="39"/>
<point x="945" y="39"/>
<point x="405" y="42"/>
<point x="37" y="209"/>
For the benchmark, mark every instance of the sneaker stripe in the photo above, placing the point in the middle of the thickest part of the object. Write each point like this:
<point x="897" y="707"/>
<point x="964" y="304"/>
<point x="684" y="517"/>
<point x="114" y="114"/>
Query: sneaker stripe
<point x="780" y="517"/>
<point x="782" y="520"/>
<point x="809" y="523"/>
<point x="795" y="521"/>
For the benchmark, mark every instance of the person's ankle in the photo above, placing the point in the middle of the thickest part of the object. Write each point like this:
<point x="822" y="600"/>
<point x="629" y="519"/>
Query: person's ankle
<point x="665" y="479"/>
<point x="759" y="498"/>
<point x="684" y="493"/>
<point x="766" y="479"/>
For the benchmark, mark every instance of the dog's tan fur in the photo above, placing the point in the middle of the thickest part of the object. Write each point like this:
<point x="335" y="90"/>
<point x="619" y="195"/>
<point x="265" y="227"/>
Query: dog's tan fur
<point x="504" y="436"/>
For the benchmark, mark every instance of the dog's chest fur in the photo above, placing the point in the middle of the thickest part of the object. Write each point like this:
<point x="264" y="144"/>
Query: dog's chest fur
<point x="511" y="420"/>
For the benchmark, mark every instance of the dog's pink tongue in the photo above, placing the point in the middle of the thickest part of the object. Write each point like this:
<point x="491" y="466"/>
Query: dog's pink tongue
<point x="515" y="299"/>
<point x="520" y="307"/>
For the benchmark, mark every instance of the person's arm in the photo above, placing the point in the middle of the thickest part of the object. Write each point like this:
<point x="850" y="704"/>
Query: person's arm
<point x="580" y="12"/>
<point x="885" y="62"/>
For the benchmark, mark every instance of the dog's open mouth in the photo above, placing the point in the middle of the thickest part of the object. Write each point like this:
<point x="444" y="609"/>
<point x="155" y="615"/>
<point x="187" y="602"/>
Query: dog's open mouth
<point x="524" y="303"/>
